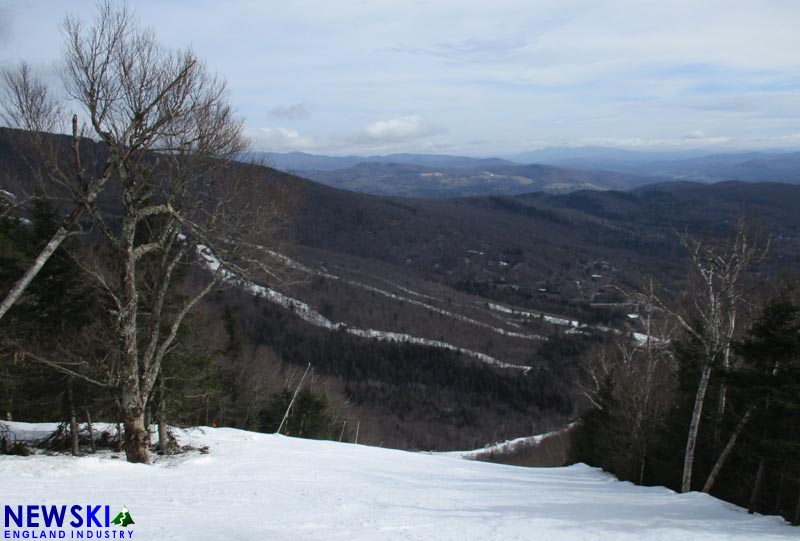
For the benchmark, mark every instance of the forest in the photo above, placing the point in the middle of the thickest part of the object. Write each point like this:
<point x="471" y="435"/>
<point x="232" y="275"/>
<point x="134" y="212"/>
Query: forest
<point x="709" y="399"/>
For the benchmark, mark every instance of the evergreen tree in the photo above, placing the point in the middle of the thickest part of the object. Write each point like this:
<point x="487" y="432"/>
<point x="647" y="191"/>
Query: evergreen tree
<point x="309" y="418"/>
<point x="53" y="329"/>
<point x="769" y="382"/>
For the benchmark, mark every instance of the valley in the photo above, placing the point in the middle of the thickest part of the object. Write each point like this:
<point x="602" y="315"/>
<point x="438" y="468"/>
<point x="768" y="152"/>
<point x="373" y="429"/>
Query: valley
<point x="513" y="288"/>
<point x="533" y="281"/>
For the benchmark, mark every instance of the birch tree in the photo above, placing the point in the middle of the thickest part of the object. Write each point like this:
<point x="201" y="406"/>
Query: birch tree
<point x="713" y="315"/>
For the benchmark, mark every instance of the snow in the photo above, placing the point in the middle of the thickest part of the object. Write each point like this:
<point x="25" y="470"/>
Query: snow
<point x="642" y="339"/>
<point x="508" y="446"/>
<point x="260" y="486"/>
<point x="447" y="313"/>
<point x="213" y="263"/>
<point x="549" y="319"/>
<point x="401" y="337"/>
<point x="309" y="315"/>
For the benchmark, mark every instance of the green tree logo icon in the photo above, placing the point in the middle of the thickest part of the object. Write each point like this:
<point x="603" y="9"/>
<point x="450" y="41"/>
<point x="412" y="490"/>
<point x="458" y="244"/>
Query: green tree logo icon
<point x="123" y="518"/>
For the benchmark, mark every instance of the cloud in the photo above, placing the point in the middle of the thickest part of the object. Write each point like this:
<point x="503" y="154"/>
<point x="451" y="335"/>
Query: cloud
<point x="696" y="134"/>
<point x="398" y="130"/>
<point x="409" y="132"/>
<point x="506" y="72"/>
<point x="296" y="111"/>
<point x="691" y="140"/>
<point x="472" y="49"/>
<point x="281" y="140"/>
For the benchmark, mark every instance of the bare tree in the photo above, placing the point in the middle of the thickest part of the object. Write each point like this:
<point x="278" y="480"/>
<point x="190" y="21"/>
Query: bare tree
<point x="169" y="136"/>
<point x="27" y="102"/>
<point x="714" y="310"/>
<point x="640" y="371"/>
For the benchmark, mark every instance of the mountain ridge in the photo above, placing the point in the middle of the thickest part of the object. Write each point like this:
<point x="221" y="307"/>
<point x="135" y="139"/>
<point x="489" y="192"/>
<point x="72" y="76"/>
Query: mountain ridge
<point x="554" y="170"/>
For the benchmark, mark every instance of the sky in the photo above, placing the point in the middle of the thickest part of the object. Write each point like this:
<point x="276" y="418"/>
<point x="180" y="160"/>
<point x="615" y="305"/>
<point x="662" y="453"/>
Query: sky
<point x="475" y="77"/>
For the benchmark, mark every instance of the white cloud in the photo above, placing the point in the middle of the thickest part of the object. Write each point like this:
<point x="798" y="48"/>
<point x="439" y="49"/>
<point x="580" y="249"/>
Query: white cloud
<point x="692" y="140"/>
<point x="399" y="130"/>
<point x="409" y="132"/>
<point x="281" y="140"/>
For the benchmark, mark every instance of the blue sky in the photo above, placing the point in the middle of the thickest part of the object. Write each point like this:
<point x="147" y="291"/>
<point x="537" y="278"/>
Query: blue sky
<point x="477" y="77"/>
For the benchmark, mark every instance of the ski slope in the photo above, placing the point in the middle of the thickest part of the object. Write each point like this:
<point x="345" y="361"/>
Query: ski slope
<point x="267" y="487"/>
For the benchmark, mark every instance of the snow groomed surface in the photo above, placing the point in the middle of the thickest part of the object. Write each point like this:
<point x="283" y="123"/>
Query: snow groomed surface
<point x="266" y="487"/>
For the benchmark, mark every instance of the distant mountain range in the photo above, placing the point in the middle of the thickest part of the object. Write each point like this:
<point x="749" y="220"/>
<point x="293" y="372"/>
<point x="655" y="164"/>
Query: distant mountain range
<point x="300" y="161"/>
<point x="409" y="180"/>
<point x="551" y="170"/>
<point x="684" y="165"/>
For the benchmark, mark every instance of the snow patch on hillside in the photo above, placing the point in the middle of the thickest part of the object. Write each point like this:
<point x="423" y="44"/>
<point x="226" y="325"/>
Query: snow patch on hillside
<point x="533" y="315"/>
<point x="508" y="446"/>
<point x="394" y="296"/>
<point x="308" y="314"/>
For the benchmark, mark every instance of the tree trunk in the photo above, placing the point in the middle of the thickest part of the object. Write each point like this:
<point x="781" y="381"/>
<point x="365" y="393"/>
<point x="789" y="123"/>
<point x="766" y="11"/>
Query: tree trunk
<point x="694" y="427"/>
<point x="163" y="436"/>
<point x="754" y="496"/>
<point x="796" y="519"/>
<point x="778" y="509"/>
<point x="723" y="391"/>
<point x="162" y="418"/>
<point x="643" y="463"/>
<point x="291" y="402"/>
<point x="137" y="438"/>
<point x="91" y="431"/>
<point x="137" y="434"/>
<point x="148" y="417"/>
<point x="726" y="366"/>
<point x="119" y="431"/>
<point x="73" y="422"/>
<point x="723" y="457"/>
<point x="33" y="270"/>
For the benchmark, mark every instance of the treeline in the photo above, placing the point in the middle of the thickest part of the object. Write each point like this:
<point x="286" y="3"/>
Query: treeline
<point x="711" y="401"/>
<point x="411" y="396"/>
<point x="58" y="358"/>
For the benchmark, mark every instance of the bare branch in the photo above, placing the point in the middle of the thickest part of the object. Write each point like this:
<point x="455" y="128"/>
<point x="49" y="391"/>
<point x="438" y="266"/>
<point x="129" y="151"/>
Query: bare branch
<point x="62" y="367"/>
<point x="27" y="103"/>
